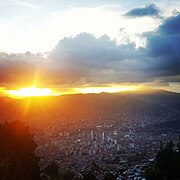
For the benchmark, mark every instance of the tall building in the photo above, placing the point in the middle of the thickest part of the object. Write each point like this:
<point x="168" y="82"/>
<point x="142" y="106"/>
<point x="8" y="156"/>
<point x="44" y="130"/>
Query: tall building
<point x="92" y="135"/>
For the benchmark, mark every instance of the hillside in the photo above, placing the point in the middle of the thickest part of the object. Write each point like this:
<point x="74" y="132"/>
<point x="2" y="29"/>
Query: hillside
<point x="170" y="125"/>
<point x="97" y="108"/>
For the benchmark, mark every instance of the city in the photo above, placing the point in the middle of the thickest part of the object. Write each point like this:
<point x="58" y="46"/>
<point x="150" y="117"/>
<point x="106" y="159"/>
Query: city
<point x="89" y="90"/>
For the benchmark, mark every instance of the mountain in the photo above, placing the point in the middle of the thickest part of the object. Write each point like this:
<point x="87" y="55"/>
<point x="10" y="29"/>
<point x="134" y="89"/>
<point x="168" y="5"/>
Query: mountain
<point x="93" y="108"/>
<point x="159" y="97"/>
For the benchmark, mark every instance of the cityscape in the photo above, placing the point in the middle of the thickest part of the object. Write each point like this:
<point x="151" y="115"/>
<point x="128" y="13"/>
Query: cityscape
<point x="113" y="148"/>
<point x="89" y="90"/>
<point x="124" y="143"/>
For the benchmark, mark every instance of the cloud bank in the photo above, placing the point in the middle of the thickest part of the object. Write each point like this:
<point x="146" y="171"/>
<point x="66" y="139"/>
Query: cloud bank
<point x="85" y="59"/>
<point x="163" y="46"/>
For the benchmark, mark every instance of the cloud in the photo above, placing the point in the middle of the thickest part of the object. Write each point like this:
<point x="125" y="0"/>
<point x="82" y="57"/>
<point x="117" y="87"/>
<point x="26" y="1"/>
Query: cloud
<point x="86" y="59"/>
<point x="93" y="59"/>
<point x="163" y="47"/>
<point x="102" y="60"/>
<point x="19" y="68"/>
<point x="149" y="10"/>
<point x="86" y="49"/>
<point x="24" y="4"/>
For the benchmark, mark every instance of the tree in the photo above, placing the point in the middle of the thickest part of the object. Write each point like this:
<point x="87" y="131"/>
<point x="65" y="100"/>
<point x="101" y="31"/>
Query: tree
<point x="165" y="160"/>
<point x="69" y="175"/>
<point x="52" y="170"/>
<point x="17" y="153"/>
<point x="167" y="164"/>
<point x="153" y="174"/>
<point x="109" y="176"/>
<point x="89" y="176"/>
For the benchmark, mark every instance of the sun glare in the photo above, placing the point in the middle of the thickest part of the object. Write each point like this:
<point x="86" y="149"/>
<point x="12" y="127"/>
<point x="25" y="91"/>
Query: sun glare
<point x="112" y="89"/>
<point x="34" y="91"/>
<point x="30" y="92"/>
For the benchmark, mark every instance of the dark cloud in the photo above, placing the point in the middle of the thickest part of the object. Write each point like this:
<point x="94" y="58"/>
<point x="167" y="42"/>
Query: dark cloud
<point x="164" y="45"/>
<point x="149" y="10"/>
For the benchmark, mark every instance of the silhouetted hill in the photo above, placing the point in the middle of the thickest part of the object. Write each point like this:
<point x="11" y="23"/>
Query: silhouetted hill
<point x="160" y="97"/>
<point x="103" y="107"/>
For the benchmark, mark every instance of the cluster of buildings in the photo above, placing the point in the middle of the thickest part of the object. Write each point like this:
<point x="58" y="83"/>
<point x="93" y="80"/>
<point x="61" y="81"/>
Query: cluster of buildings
<point x="114" y="147"/>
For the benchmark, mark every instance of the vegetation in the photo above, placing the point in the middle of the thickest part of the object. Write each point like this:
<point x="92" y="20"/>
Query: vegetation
<point x="167" y="163"/>
<point x="17" y="153"/>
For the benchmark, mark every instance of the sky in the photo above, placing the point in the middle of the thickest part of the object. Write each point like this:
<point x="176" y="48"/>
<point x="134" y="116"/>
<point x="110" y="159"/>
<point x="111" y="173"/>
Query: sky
<point x="73" y="44"/>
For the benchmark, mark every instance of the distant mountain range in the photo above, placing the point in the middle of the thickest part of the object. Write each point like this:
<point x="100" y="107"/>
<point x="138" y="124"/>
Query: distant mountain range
<point x="87" y="107"/>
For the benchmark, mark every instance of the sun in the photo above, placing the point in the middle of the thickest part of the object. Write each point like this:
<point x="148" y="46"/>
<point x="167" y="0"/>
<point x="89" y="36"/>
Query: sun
<point x="30" y="92"/>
